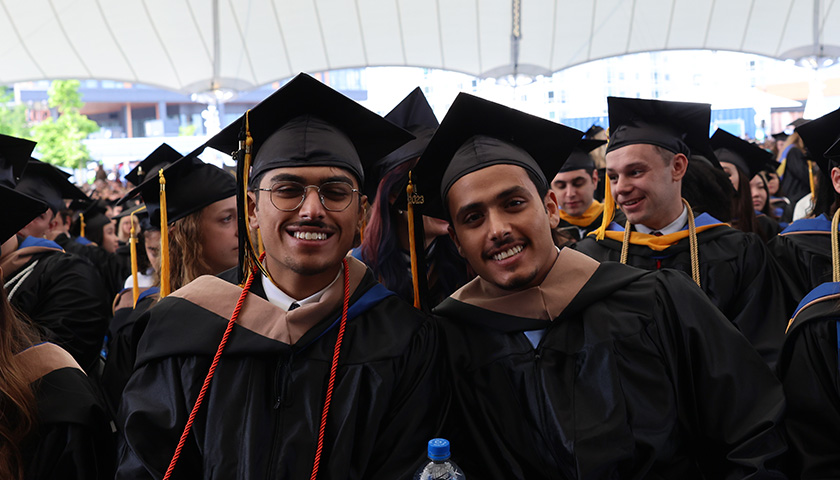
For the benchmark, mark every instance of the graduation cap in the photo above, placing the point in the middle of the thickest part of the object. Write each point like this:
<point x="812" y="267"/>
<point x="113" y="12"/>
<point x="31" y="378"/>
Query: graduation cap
<point x="478" y="133"/>
<point x="159" y="158"/>
<point x="14" y="156"/>
<point x="191" y="185"/>
<point x="749" y="158"/>
<point x="818" y="135"/>
<point x="679" y="127"/>
<point x="780" y="136"/>
<point x="129" y="211"/>
<point x="595" y="129"/>
<point x="304" y="123"/>
<point x="415" y="115"/>
<point x="48" y="184"/>
<point x="798" y="122"/>
<point x="92" y="217"/>
<point x="579" y="158"/>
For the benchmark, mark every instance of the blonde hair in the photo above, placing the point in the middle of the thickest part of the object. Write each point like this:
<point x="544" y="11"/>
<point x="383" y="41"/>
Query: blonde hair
<point x="186" y="251"/>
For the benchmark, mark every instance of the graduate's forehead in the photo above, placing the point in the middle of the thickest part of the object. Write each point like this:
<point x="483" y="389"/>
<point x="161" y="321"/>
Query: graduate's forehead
<point x="314" y="175"/>
<point x="488" y="184"/>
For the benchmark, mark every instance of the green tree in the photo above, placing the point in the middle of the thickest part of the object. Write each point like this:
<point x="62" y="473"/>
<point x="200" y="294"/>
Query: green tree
<point x="60" y="139"/>
<point x="12" y="115"/>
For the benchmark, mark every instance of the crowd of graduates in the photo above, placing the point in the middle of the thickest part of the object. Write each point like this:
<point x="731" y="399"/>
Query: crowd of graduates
<point x="642" y="301"/>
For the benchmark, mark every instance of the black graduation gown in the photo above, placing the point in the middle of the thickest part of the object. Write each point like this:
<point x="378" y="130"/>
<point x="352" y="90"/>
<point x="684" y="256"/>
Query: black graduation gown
<point x="803" y="252"/>
<point x="113" y="268"/>
<point x="637" y="376"/>
<point x="73" y="437"/>
<point x="769" y="227"/>
<point x="62" y="295"/>
<point x="809" y="370"/>
<point x="262" y="411"/>
<point x="120" y="351"/>
<point x="736" y="272"/>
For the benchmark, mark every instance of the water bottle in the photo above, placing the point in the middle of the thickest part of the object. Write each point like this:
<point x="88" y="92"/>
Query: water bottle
<point x="439" y="466"/>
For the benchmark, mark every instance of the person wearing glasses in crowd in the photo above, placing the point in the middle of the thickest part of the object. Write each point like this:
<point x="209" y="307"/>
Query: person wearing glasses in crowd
<point x="324" y="371"/>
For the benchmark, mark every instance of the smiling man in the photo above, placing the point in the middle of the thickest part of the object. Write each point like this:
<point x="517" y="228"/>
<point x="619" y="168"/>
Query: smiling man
<point x="647" y="158"/>
<point x="562" y="367"/>
<point x="325" y="371"/>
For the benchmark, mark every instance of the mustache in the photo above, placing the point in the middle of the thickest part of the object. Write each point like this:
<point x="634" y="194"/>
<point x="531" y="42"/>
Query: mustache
<point x="498" y="244"/>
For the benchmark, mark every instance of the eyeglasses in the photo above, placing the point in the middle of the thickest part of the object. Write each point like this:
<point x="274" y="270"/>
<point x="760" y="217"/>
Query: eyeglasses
<point x="289" y="196"/>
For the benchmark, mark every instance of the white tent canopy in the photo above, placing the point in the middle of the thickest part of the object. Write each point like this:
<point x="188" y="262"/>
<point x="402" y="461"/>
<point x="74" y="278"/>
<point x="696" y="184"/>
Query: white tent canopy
<point x="203" y="45"/>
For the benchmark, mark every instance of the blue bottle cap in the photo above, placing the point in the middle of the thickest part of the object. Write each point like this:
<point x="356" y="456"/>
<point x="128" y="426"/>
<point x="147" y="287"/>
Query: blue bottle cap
<point x="438" y="449"/>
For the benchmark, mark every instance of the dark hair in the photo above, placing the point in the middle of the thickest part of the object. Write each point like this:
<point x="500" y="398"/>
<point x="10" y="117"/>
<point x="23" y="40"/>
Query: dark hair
<point x="828" y="200"/>
<point x="708" y="190"/>
<point x="743" y="212"/>
<point x="766" y="209"/>
<point x="380" y="249"/>
<point x="94" y="234"/>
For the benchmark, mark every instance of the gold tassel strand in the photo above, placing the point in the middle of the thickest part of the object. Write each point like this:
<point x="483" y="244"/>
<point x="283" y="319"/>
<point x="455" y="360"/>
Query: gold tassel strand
<point x="413" y="199"/>
<point x="81" y="224"/>
<point x="609" y="210"/>
<point x="164" y="238"/>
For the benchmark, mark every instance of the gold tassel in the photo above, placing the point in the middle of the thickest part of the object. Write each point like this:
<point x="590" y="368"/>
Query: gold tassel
<point x="135" y="286"/>
<point x="811" y="181"/>
<point x="164" y="239"/>
<point x="251" y="255"/>
<point x="835" y="249"/>
<point x="412" y="244"/>
<point x="82" y="224"/>
<point x="260" y="243"/>
<point x="609" y="210"/>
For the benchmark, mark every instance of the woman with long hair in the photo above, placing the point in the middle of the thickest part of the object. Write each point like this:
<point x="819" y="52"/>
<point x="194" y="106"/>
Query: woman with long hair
<point x="765" y="216"/>
<point x="203" y="240"/>
<point x="743" y="161"/>
<point x="386" y="244"/>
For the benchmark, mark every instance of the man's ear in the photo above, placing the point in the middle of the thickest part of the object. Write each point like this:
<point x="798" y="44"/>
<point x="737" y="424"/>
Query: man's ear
<point x="595" y="177"/>
<point x="454" y="237"/>
<point x="551" y="208"/>
<point x="253" y="222"/>
<point x="679" y="165"/>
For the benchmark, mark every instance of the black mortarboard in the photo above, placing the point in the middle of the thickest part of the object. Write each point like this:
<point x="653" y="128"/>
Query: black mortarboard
<point x="14" y="156"/>
<point x="128" y="211"/>
<point x="94" y="215"/>
<point x="798" y="122"/>
<point x="595" y="129"/>
<point x="833" y="152"/>
<point x="415" y="115"/>
<point x="679" y="127"/>
<point x="749" y="158"/>
<point x="306" y="123"/>
<point x="160" y="158"/>
<point x="579" y="158"/>
<point x="478" y="133"/>
<point x="780" y="136"/>
<point x="819" y="135"/>
<point x="190" y="186"/>
<point x="48" y="184"/>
